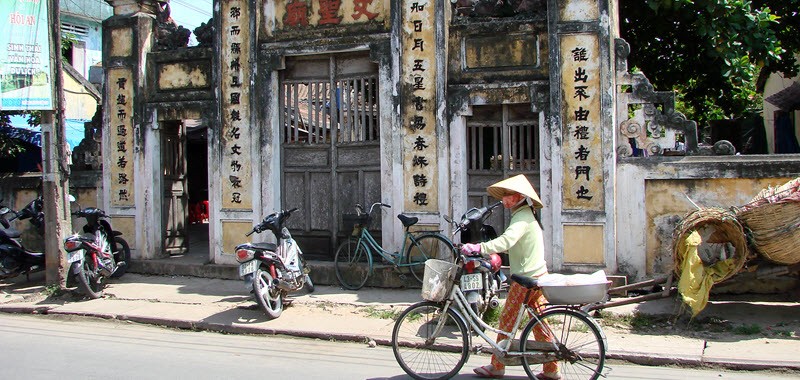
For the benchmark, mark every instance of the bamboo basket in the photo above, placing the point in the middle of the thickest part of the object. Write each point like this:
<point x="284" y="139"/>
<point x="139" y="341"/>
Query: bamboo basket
<point x="726" y="229"/>
<point x="773" y="221"/>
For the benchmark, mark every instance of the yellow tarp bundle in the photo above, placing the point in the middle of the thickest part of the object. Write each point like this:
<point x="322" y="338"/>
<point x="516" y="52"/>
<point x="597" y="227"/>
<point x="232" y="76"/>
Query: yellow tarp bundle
<point x="696" y="279"/>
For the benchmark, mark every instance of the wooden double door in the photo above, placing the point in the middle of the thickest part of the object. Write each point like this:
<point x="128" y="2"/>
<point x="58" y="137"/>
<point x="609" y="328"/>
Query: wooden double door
<point x="330" y="146"/>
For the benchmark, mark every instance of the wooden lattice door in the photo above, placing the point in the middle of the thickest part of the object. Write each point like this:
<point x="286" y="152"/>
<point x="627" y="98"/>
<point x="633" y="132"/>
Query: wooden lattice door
<point x="330" y="145"/>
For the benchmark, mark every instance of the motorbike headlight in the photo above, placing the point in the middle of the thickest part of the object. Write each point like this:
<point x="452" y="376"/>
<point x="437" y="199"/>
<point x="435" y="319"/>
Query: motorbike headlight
<point x="244" y="254"/>
<point x="72" y="244"/>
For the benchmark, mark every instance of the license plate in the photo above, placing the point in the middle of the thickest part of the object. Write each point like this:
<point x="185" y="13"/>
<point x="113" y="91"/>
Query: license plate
<point x="248" y="267"/>
<point x="471" y="282"/>
<point x="74" y="256"/>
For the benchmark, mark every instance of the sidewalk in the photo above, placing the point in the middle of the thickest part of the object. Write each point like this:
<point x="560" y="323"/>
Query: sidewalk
<point x="333" y="313"/>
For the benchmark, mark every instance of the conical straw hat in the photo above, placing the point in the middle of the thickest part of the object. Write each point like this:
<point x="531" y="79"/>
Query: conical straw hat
<point x="515" y="184"/>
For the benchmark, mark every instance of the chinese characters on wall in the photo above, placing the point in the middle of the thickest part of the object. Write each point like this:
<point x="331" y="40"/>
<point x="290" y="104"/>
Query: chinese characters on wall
<point x="582" y="154"/>
<point x="235" y="76"/>
<point x="305" y="13"/>
<point x="419" y="104"/>
<point x="120" y="90"/>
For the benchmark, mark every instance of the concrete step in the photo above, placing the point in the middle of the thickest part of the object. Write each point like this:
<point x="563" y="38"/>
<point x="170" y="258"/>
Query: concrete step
<point x="322" y="272"/>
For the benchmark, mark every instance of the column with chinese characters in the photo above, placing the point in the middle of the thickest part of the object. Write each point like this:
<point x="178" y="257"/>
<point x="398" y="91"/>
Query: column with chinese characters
<point x="419" y="80"/>
<point x="236" y="164"/>
<point x="582" y="105"/>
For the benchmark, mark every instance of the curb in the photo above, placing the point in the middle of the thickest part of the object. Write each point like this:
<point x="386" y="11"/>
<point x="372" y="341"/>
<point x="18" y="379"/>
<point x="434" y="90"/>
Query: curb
<point x="639" y="358"/>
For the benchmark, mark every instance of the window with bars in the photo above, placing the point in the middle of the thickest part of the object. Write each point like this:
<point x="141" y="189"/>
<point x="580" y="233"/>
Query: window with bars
<point x="503" y="138"/>
<point x="75" y="29"/>
<point x="314" y="109"/>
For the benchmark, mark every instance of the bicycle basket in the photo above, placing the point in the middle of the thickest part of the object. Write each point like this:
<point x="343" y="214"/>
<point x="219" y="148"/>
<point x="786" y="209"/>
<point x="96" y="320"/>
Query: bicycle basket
<point x="438" y="279"/>
<point x="355" y="222"/>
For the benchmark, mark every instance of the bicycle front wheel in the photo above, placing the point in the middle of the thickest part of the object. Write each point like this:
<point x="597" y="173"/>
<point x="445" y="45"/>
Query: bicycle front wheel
<point x="426" y="247"/>
<point x="430" y="344"/>
<point x="352" y="264"/>
<point x="581" y="346"/>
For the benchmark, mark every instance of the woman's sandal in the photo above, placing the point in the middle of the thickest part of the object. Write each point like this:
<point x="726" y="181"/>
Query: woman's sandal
<point x="488" y="372"/>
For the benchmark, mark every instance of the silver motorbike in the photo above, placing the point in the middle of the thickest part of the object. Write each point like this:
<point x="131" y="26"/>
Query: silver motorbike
<point x="273" y="270"/>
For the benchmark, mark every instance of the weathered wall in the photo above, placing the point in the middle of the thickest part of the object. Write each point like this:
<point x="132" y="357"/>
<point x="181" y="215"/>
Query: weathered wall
<point x="653" y="195"/>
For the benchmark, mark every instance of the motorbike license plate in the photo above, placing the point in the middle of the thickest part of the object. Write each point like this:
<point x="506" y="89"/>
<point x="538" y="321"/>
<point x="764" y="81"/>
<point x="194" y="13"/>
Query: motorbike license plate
<point x="74" y="256"/>
<point x="248" y="267"/>
<point x="471" y="282"/>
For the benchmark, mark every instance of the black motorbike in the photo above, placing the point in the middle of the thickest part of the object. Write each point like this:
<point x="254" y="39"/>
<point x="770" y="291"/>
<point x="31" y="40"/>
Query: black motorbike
<point x="273" y="270"/>
<point x="99" y="253"/>
<point x="15" y="259"/>
<point x="482" y="278"/>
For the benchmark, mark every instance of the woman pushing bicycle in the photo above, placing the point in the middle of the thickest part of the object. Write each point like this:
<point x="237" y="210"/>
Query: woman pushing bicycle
<point x="524" y="242"/>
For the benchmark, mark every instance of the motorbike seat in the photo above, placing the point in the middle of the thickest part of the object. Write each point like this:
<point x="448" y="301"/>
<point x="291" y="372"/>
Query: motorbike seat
<point x="407" y="221"/>
<point x="35" y="254"/>
<point x="265" y="246"/>
<point x="12" y="233"/>
<point x="527" y="282"/>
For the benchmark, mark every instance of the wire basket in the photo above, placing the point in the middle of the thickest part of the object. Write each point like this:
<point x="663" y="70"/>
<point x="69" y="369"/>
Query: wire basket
<point x="438" y="280"/>
<point x="355" y="222"/>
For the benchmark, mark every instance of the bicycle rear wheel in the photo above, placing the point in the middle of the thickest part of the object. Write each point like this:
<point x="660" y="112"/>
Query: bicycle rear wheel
<point x="427" y="247"/>
<point x="581" y="345"/>
<point x="352" y="264"/>
<point x="426" y="348"/>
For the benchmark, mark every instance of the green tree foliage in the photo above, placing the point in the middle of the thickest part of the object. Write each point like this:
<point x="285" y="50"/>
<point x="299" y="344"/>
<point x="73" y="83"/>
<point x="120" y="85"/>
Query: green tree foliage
<point x="10" y="147"/>
<point x="712" y="51"/>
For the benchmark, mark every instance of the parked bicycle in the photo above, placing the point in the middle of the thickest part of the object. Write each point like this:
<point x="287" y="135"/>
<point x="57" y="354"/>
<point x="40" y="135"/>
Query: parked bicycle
<point x="432" y="339"/>
<point x="354" y="260"/>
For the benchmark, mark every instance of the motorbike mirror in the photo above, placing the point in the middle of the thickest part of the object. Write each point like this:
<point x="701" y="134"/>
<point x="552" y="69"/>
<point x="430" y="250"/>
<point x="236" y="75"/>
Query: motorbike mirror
<point x="447" y="219"/>
<point x="71" y="198"/>
<point x="4" y="210"/>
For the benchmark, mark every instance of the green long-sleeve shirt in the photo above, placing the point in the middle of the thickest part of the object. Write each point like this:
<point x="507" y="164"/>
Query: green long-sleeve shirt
<point x="524" y="242"/>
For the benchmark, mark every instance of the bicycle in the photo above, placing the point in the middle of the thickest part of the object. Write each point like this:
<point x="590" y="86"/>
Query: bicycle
<point x="354" y="262"/>
<point x="432" y="339"/>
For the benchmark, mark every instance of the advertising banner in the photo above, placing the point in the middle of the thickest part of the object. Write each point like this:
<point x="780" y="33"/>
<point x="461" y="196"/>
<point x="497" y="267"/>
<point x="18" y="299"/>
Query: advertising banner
<point x="25" y="75"/>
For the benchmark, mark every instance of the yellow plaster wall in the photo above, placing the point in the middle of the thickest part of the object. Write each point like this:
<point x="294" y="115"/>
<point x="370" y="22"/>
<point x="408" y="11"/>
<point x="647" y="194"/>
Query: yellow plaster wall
<point x="181" y="76"/>
<point x="666" y="203"/>
<point x="121" y="42"/>
<point x="126" y="225"/>
<point x="82" y="105"/>
<point x="583" y="244"/>
<point x="233" y="234"/>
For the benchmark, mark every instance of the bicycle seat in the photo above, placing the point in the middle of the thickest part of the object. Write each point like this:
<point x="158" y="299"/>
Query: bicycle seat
<point x="527" y="282"/>
<point x="407" y="221"/>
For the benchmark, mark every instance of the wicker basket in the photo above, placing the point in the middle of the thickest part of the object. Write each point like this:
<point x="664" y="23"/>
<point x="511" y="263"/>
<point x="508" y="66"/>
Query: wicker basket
<point x="775" y="230"/>
<point x="727" y="229"/>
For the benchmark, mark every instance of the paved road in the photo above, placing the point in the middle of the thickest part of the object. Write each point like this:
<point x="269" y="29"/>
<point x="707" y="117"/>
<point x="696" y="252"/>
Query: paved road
<point x="44" y="347"/>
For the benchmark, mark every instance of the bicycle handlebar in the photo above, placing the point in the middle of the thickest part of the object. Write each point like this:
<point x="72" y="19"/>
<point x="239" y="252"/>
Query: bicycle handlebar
<point x="360" y="208"/>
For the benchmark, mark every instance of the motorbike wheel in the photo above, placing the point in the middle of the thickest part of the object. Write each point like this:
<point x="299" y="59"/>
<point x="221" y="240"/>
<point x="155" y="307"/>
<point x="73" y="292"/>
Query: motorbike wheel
<point x="89" y="281"/>
<point x="123" y="253"/>
<point x="268" y="296"/>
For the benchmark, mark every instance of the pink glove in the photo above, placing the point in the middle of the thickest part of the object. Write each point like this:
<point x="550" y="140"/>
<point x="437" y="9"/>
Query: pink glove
<point x="470" y="249"/>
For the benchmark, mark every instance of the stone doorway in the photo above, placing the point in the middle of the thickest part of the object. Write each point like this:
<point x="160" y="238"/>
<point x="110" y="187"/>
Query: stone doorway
<point x="185" y="207"/>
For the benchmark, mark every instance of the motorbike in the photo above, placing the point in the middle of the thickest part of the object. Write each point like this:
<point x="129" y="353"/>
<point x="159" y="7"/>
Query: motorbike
<point x="97" y="254"/>
<point x="482" y="279"/>
<point x="15" y="259"/>
<point x="273" y="270"/>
